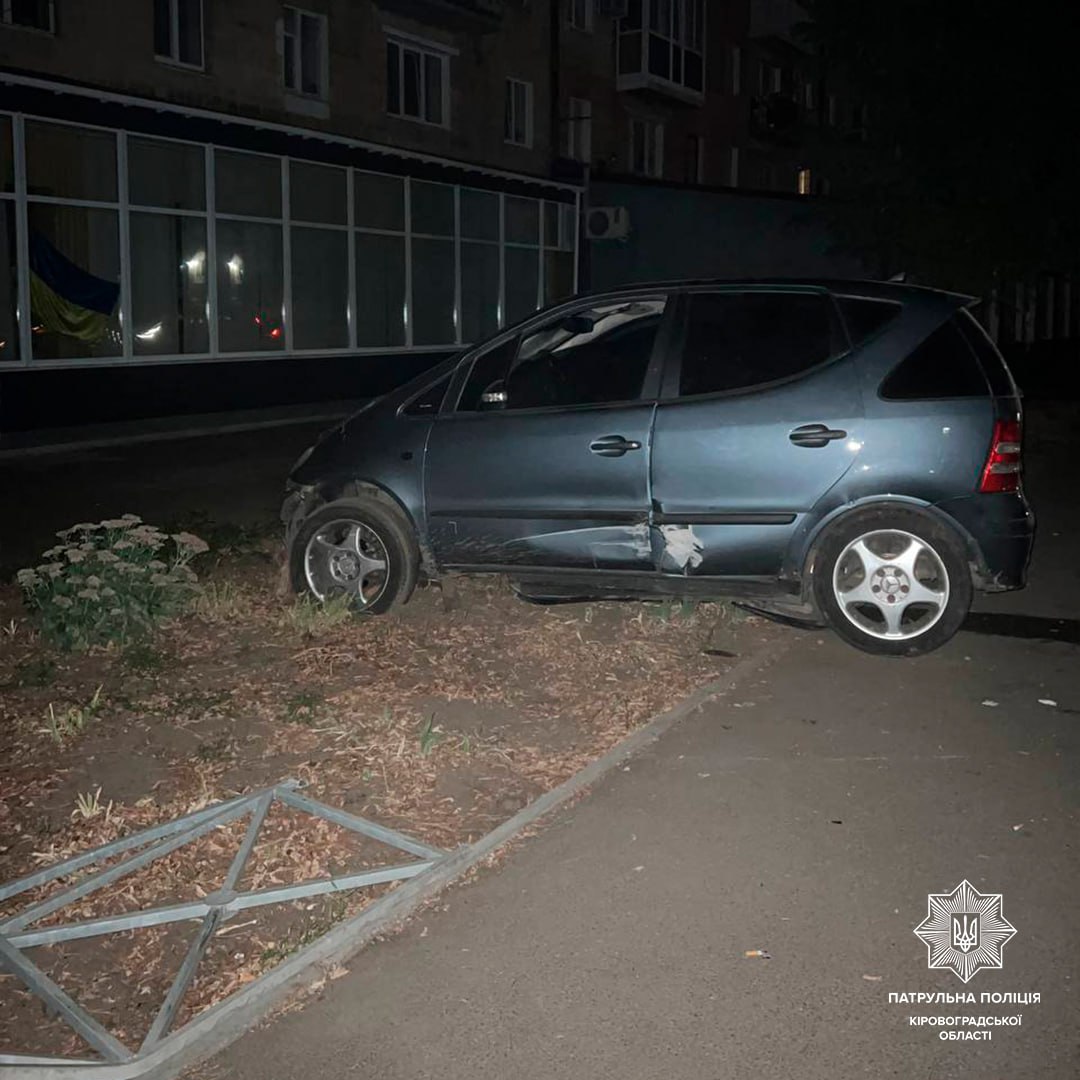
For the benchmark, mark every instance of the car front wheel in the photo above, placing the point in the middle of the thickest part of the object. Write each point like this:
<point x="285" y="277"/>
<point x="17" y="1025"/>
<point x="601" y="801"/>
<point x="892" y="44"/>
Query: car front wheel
<point x="893" y="582"/>
<point x="361" y="548"/>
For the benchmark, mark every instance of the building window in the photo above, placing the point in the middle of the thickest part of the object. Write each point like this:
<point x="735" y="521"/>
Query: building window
<point x="663" y="41"/>
<point x="518" y="123"/>
<point x="736" y="70"/>
<point x="808" y="96"/>
<point x="417" y="82"/>
<point x="579" y="130"/>
<point x="733" y="167"/>
<point x="178" y="32"/>
<point x="647" y="148"/>
<point x="580" y="14"/>
<point x="304" y="52"/>
<point x="29" y="14"/>
<point x="831" y="110"/>
<point x="695" y="159"/>
<point x="804" y="182"/>
<point x="157" y="249"/>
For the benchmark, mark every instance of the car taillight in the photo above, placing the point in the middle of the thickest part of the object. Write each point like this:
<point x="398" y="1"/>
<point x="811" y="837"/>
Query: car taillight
<point x="1002" y="469"/>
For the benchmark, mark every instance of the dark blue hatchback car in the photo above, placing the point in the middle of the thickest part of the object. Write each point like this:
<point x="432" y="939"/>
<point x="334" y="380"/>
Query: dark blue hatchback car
<point x="847" y="449"/>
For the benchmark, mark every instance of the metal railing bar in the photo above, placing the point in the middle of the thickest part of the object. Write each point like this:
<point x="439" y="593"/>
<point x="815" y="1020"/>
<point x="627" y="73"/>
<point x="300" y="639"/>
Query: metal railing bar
<point x="115" y="847"/>
<point x="360" y="825"/>
<point x="37" y="981"/>
<point x="114" y="873"/>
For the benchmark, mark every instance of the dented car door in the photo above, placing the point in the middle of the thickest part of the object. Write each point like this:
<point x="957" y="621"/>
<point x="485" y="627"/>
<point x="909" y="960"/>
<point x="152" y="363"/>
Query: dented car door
<point x="544" y="459"/>
<point x="759" y="417"/>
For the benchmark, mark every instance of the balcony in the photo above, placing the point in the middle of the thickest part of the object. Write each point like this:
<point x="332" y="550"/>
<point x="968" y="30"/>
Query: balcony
<point x="662" y="49"/>
<point x="459" y="16"/>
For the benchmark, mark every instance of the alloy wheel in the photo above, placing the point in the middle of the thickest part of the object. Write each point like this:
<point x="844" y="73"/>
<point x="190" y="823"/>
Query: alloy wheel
<point x="891" y="584"/>
<point x="347" y="558"/>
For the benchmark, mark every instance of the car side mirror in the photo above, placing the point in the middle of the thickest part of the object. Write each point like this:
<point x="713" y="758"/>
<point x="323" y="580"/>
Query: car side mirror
<point x="494" y="397"/>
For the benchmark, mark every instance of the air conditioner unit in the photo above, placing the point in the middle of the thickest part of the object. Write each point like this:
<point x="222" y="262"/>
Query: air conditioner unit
<point x="607" y="223"/>
<point x="613" y="9"/>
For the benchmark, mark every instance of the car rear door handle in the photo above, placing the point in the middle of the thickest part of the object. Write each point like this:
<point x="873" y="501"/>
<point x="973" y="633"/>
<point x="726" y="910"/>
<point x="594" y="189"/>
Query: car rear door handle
<point x="815" y="435"/>
<point x="613" y="446"/>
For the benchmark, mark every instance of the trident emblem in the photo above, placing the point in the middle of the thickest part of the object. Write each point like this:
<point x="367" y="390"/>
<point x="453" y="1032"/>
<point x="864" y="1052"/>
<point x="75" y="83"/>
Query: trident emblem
<point x="965" y="932"/>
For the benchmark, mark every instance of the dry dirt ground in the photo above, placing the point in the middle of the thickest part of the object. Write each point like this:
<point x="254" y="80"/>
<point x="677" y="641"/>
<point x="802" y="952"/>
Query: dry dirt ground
<point x="441" y="721"/>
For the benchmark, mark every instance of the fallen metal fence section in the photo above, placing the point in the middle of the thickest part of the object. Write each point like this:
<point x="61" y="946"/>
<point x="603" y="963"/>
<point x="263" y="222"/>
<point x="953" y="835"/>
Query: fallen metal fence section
<point x="17" y="932"/>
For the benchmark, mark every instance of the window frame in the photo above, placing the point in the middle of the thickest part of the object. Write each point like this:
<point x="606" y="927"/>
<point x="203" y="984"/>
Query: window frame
<point x="578" y="138"/>
<point x="674" y="360"/>
<point x="323" y="21"/>
<point x="651" y="382"/>
<point x="586" y="9"/>
<point x="509" y="125"/>
<point x="423" y="48"/>
<point x="653" y="149"/>
<point x="6" y="19"/>
<point x="553" y="237"/>
<point x="173" y="58"/>
<point x="685" y="33"/>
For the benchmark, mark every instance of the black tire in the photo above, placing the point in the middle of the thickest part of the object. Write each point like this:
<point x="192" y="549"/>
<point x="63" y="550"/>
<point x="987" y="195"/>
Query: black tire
<point x="943" y="541"/>
<point x="393" y="530"/>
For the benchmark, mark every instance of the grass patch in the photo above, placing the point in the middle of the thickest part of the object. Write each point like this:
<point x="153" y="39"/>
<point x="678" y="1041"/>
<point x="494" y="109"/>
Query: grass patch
<point x="222" y="601"/>
<point x="430" y="736"/>
<point x="672" y="609"/>
<point x="64" y="725"/>
<point x="308" y="616"/>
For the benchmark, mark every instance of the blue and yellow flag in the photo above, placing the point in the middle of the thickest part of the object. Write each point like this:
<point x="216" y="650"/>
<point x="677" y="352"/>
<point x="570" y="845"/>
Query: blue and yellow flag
<point x="64" y="298"/>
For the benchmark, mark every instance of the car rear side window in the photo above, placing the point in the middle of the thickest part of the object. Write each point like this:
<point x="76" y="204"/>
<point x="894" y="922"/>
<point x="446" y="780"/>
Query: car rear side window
<point x="943" y="366"/>
<point x="864" y="318"/>
<point x="993" y="364"/>
<point x="736" y="341"/>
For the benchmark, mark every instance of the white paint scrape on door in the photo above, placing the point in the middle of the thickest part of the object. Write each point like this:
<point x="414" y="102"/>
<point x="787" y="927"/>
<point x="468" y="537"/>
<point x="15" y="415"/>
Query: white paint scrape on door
<point x="681" y="546"/>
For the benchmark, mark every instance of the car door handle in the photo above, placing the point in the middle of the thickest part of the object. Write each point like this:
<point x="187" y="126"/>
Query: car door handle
<point x="815" y="435"/>
<point x="613" y="446"/>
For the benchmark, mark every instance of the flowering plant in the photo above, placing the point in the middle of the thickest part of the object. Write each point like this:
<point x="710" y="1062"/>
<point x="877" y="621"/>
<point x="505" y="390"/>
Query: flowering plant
<point x="110" y="581"/>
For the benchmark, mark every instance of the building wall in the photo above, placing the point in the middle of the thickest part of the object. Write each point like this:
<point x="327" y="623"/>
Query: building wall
<point x="589" y="71"/>
<point x="676" y="233"/>
<point x="111" y="45"/>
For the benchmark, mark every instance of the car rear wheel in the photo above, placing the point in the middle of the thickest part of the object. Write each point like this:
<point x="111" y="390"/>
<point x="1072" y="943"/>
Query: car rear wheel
<point x="893" y="582"/>
<point x="361" y="548"/>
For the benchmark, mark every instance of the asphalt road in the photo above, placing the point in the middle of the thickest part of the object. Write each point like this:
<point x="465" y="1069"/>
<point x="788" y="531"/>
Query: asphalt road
<point x="808" y="814"/>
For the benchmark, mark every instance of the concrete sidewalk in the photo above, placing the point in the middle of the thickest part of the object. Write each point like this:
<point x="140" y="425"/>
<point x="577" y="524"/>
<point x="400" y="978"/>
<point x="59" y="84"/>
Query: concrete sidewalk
<point x="809" y="815"/>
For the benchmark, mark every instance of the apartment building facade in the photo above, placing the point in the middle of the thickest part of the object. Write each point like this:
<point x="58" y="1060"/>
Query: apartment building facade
<point x="210" y="205"/>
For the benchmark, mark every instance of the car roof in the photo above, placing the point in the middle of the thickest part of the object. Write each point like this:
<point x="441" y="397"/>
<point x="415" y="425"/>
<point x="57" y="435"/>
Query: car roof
<point x="876" y="290"/>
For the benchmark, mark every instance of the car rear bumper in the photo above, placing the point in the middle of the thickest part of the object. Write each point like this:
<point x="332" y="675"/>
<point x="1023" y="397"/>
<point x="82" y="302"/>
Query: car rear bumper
<point x="1002" y="529"/>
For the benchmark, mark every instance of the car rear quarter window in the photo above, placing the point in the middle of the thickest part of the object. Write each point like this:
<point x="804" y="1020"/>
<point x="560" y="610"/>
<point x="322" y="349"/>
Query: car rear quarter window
<point x="943" y="366"/>
<point x="737" y="341"/>
<point x="993" y="364"/>
<point x="865" y="318"/>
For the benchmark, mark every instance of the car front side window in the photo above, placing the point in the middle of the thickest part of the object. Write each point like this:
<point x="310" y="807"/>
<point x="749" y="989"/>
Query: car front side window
<point x="594" y="356"/>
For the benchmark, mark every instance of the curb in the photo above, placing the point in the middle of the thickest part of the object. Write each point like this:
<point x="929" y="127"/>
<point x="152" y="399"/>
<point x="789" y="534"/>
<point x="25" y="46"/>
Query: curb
<point x="13" y="453"/>
<point x="224" y="1023"/>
